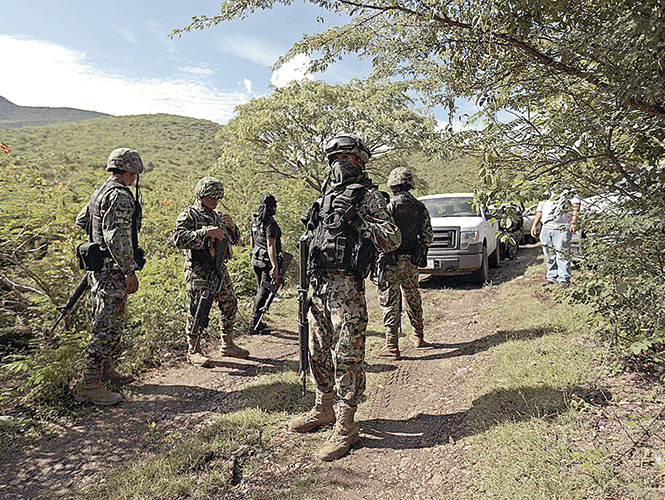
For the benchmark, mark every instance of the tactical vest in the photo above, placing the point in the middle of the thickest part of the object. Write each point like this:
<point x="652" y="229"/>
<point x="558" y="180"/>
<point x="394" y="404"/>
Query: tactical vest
<point x="94" y="229"/>
<point x="409" y="217"/>
<point x="334" y="244"/>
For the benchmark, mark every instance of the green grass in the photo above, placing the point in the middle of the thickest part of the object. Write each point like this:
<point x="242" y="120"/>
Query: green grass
<point x="528" y="436"/>
<point x="206" y="463"/>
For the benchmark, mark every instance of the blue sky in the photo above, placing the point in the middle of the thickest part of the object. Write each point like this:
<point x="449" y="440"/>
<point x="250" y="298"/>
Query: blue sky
<point x="115" y="57"/>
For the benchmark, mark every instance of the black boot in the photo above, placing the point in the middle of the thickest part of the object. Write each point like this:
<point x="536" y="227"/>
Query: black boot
<point x="257" y="327"/>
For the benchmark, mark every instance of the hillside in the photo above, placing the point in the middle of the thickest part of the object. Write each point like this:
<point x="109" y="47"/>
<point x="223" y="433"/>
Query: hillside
<point x="14" y="116"/>
<point x="176" y="146"/>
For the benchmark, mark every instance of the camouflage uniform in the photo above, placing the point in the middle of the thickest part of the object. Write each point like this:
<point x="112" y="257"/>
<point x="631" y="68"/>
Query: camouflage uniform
<point x="117" y="209"/>
<point x="338" y="311"/>
<point x="108" y="285"/>
<point x="190" y="235"/>
<point x="401" y="275"/>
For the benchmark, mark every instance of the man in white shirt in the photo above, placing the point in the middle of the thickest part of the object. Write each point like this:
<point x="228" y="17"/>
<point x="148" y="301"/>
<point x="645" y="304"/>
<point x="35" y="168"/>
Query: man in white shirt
<point x="559" y="217"/>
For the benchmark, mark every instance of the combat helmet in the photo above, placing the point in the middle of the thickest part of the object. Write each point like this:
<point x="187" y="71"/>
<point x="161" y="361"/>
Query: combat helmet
<point x="125" y="159"/>
<point x="347" y="143"/>
<point x="401" y="176"/>
<point x="209" y="186"/>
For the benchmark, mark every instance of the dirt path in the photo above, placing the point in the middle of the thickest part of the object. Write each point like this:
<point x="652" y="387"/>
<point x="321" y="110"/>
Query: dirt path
<point x="410" y="424"/>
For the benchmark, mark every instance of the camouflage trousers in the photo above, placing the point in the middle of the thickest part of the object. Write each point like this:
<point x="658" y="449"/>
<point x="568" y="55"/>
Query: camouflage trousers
<point x="338" y="314"/>
<point x="108" y="302"/>
<point x="225" y="299"/>
<point x="398" y="277"/>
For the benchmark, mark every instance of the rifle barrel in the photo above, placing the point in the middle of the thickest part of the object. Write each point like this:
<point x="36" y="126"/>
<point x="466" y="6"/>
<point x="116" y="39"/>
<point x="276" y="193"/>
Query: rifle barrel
<point x="303" y="322"/>
<point x="71" y="302"/>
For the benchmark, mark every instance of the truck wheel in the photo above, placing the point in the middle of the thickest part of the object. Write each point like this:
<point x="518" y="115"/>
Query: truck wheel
<point x="495" y="258"/>
<point x="481" y="276"/>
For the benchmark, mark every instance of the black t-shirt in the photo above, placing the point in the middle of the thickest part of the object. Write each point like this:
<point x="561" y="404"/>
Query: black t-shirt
<point x="261" y="233"/>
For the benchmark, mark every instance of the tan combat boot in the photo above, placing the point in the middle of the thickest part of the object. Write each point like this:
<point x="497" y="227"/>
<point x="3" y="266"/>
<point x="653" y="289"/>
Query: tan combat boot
<point x="417" y="339"/>
<point x="228" y="348"/>
<point x="195" y="354"/>
<point x="91" y="390"/>
<point x="322" y="413"/>
<point x="391" y="350"/>
<point x="110" y="375"/>
<point x="343" y="436"/>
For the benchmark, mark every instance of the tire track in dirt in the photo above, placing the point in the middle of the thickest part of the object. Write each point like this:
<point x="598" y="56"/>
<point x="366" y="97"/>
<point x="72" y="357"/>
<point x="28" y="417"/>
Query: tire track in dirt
<point x="415" y="415"/>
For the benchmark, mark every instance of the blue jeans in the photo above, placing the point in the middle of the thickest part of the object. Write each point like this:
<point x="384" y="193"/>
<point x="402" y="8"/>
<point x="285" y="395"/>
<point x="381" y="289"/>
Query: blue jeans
<point x="556" y="247"/>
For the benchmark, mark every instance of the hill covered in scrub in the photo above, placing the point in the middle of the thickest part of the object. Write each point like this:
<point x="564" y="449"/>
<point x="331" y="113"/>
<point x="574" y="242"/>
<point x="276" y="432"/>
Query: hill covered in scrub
<point x="15" y="116"/>
<point x="177" y="146"/>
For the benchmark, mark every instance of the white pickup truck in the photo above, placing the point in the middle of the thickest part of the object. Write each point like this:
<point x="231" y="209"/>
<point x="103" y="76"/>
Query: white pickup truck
<point x="464" y="241"/>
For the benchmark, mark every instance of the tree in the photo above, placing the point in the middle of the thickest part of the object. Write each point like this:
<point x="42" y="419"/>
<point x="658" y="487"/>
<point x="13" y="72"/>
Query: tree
<point x="283" y="134"/>
<point x="276" y="142"/>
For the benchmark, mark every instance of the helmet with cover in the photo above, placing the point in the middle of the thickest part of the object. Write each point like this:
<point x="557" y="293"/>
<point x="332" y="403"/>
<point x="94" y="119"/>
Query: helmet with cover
<point x="347" y="143"/>
<point x="401" y="176"/>
<point x="125" y="159"/>
<point x="211" y="187"/>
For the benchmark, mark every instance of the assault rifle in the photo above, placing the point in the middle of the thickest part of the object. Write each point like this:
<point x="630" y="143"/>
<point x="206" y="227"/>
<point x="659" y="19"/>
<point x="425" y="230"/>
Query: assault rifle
<point x="213" y="286"/>
<point x="303" y="307"/>
<point x="71" y="302"/>
<point x="283" y="266"/>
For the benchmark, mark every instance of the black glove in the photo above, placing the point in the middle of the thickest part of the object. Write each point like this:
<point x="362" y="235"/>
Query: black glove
<point x="346" y="210"/>
<point x="139" y="258"/>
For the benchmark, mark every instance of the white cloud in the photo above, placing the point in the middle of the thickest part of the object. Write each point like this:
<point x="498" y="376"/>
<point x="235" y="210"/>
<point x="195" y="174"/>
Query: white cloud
<point x="198" y="70"/>
<point x="250" y="49"/>
<point x="247" y="84"/>
<point x="61" y="77"/>
<point x="295" y="69"/>
<point x="128" y="35"/>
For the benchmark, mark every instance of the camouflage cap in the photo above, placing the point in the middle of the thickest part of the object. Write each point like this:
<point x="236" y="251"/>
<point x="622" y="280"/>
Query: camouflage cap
<point x="401" y="176"/>
<point x="209" y="186"/>
<point x="125" y="159"/>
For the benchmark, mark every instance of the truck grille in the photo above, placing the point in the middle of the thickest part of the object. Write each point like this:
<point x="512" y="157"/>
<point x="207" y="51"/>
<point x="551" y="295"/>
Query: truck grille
<point x="444" y="238"/>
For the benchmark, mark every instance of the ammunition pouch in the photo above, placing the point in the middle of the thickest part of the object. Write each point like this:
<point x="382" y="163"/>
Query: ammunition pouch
<point x="90" y="256"/>
<point x="419" y="255"/>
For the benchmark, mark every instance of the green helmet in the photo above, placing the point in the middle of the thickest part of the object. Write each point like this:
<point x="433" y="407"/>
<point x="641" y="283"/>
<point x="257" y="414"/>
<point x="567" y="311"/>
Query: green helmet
<point x="127" y="160"/>
<point x="347" y="143"/>
<point x="209" y="186"/>
<point x="401" y="176"/>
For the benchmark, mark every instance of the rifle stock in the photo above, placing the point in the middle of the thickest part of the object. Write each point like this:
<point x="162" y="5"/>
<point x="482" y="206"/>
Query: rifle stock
<point x="303" y="308"/>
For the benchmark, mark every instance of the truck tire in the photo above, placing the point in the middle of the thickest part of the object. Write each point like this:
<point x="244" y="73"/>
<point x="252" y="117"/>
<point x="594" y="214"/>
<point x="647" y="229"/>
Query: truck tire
<point x="495" y="258"/>
<point x="480" y="276"/>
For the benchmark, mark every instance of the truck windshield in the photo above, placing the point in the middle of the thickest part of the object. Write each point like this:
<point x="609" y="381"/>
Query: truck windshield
<point x="450" y="207"/>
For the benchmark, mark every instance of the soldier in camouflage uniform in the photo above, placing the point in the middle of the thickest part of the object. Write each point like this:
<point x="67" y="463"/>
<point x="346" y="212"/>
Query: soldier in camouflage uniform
<point x="112" y="218"/>
<point x="345" y="227"/>
<point x="195" y="231"/>
<point x="399" y="272"/>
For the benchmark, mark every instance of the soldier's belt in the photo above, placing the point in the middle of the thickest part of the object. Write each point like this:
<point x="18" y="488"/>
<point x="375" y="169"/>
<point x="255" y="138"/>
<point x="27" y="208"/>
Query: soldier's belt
<point x="202" y="285"/>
